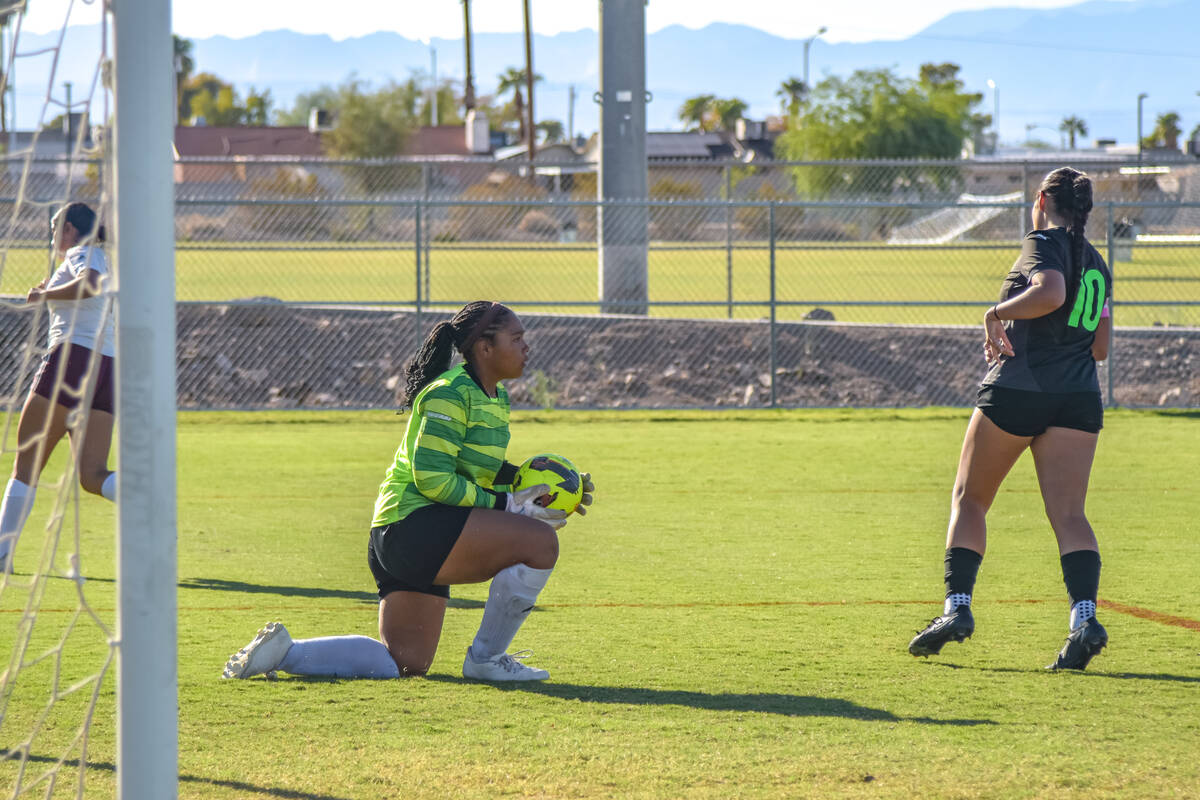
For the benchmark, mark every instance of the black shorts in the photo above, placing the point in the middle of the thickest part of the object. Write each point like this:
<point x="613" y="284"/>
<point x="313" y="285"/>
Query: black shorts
<point x="1025" y="413"/>
<point x="79" y="363"/>
<point x="407" y="555"/>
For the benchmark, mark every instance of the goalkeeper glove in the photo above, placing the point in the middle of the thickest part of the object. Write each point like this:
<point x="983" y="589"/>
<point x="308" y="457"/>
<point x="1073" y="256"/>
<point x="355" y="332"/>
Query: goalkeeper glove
<point x="588" y="487"/>
<point x="522" y="502"/>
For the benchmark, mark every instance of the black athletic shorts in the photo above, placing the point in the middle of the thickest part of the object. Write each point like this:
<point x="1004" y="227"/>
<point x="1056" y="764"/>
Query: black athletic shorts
<point x="79" y="362"/>
<point x="406" y="555"/>
<point x="1025" y="413"/>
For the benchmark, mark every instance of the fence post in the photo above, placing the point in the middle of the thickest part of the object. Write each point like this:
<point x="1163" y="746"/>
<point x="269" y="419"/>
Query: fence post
<point x="771" y="229"/>
<point x="1112" y="328"/>
<point x="417" y="247"/>
<point x="729" y="240"/>
<point x="426" y="180"/>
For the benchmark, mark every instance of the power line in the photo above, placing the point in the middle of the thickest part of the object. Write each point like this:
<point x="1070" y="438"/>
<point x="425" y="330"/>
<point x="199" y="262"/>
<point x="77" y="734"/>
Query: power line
<point x="1058" y="46"/>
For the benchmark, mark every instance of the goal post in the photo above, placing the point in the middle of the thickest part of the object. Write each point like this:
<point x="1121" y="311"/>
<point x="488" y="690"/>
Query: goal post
<point x="144" y="223"/>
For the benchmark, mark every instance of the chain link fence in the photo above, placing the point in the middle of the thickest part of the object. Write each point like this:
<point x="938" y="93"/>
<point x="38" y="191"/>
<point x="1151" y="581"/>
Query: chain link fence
<point x="309" y="283"/>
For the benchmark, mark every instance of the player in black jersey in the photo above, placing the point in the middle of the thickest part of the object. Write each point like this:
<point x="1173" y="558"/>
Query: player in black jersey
<point x="1042" y="341"/>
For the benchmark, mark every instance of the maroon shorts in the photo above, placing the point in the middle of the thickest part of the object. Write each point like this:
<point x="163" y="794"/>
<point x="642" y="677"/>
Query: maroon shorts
<point x="79" y="364"/>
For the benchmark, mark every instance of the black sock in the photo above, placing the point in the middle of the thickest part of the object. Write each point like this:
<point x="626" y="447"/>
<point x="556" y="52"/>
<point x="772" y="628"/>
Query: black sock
<point x="962" y="566"/>
<point x="1081" y="574"/>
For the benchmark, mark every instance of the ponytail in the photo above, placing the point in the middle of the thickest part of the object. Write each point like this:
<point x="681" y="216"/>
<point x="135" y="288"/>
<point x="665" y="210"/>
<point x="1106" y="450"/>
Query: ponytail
<point x="1071" y="192"/>
<point x="475" y="321"/>
<point x="430" y="361"/>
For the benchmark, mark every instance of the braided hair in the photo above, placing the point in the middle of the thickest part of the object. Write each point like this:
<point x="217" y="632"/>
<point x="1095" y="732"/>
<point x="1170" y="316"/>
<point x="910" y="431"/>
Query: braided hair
<point x="1071" y="192"/>
<point x="474" y="321"/>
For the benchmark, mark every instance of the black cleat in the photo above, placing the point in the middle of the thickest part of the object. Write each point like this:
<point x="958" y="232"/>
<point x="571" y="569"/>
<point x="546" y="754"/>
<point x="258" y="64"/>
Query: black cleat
<point x="958" y="626"/>
<point x="1084" y="642"/>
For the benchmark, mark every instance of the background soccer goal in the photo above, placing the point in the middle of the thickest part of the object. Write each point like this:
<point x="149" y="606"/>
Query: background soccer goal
<point x="82" y="613"/>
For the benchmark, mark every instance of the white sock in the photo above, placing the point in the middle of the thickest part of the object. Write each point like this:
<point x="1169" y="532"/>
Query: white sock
<point x="108" y="489"/>
<point x="18" y="500"/>
<point x="1081" y="612"/>
<point x="955" y="600"/>
<point x="511" y="597"/>
<point x="340" y="657"/>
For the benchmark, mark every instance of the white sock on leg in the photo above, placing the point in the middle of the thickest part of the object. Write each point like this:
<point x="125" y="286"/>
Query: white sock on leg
<point x="955" y="600"/>
<point x="511" y="597"/>
<point x="1081" y="612"/>
<point x="108" y="489"/>
<point x="340" y="657"/>
<point x="18" y="500"/>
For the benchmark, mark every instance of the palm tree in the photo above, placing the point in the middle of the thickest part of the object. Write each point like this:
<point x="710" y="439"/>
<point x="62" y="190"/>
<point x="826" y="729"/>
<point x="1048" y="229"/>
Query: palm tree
<point x="696" y="112"/>
<point x="184" y="64"/>
<point x="728" y="112"/>
<point x="1167" y="130"/>
<point x="1071" y="126"/>
<point x="513" y="80"/>
<point x="468" y="84"/>
<point x="791" y="94"/>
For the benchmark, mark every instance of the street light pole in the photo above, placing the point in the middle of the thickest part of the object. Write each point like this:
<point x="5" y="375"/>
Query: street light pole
<point x="995" y="109"/>
<point x="807" y="44"/>
<point x="1138" y="184"/>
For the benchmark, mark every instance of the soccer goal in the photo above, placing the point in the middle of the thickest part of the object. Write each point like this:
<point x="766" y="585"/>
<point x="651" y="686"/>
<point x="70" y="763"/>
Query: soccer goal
<point x="88" y="691"/>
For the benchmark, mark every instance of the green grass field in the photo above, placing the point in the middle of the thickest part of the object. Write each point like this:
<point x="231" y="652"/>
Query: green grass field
<point x="729" y="621"/>
<point x="557" y="276"/>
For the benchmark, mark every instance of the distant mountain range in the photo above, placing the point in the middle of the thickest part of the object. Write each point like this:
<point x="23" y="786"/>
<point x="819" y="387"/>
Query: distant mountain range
<point x="1089" y="60"/>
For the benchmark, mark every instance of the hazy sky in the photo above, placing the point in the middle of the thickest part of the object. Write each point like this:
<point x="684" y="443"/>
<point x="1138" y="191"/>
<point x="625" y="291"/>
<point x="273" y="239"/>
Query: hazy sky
<point x="848" y="20"/>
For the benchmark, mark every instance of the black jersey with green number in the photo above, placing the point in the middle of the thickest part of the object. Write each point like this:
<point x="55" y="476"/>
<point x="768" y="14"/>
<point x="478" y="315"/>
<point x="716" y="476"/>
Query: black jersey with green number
<point x="1053" y="353"/>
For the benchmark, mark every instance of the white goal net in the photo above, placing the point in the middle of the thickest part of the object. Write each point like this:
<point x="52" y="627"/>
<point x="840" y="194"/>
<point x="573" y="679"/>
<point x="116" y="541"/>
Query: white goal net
<point x="75" y="310"/>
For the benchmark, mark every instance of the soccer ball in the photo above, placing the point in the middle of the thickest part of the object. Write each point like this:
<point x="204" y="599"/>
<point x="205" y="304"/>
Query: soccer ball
<point x="557" y="472"/>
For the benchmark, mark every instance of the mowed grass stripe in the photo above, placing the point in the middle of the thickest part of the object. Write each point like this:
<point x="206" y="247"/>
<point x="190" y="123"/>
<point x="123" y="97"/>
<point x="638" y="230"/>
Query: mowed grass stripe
<point x="565" y="280"/>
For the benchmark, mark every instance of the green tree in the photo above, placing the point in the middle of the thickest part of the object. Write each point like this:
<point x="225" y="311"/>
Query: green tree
<point x="697" y="112"/>
<point x="370" y="124"/>
<point x="791" y="94"/>
<point x="728" y="112"/>
<point x="1073" y="126"/>
<point x="877" y="114"/>
<point x="213" y="99"/>
<point x="552" y="130"/>
<point x="325" y="97"/>
<point x="1166" y="132"/>
<point x="448" y="101"/>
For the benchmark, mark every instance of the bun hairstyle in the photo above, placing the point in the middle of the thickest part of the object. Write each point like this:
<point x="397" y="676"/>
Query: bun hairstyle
<point x="474" y="321"/>
<point x="82" y="219"/>
<point x="1071" y="193"/>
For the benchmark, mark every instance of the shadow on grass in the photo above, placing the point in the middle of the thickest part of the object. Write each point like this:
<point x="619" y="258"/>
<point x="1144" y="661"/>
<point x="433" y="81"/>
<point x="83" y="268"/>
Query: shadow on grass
<point x="1132" y="676"/>
<point x="221" y="585"/>
<point x="238" y="786"/>
<point x="788" y="705"/>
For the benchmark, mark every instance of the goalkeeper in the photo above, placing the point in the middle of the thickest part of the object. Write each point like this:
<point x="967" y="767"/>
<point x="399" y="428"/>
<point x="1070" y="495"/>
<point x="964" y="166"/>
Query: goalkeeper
<point x="443" y="516"/>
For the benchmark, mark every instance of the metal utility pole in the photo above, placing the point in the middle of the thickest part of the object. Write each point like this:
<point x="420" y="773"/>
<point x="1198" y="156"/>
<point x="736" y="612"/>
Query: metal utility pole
<point x="622" y="218"/>
<point x="433" y="88"/>
<point x="529" y="89"/>
<point x="571" y="114"/>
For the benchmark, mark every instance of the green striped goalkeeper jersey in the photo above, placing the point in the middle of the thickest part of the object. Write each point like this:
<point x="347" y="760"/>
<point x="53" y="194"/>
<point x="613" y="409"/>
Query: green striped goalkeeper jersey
<point x="453" y="448"/>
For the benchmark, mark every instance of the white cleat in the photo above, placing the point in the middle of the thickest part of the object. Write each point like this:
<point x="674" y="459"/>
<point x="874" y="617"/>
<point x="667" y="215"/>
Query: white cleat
<point x="262" y="656"/>
<point x="502" y="668"/>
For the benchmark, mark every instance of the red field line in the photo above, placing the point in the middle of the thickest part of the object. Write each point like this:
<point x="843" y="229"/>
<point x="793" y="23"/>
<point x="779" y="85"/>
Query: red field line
<point x="1153" y="616"/>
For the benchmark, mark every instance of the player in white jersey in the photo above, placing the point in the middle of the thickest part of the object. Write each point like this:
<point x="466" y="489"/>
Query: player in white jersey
<point x="77" y="368"/>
